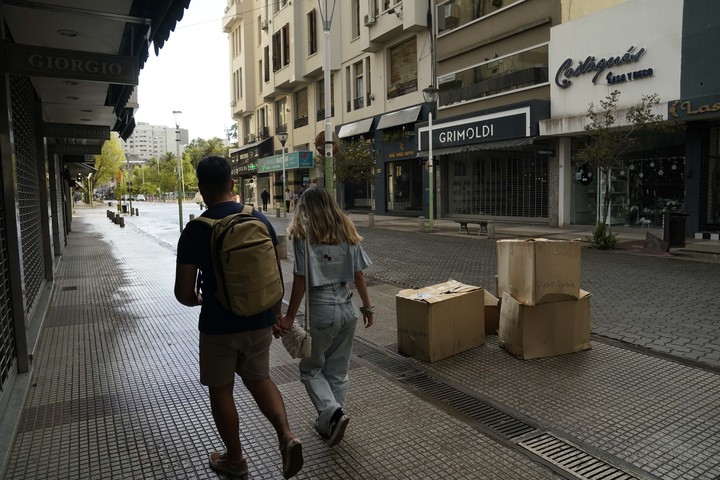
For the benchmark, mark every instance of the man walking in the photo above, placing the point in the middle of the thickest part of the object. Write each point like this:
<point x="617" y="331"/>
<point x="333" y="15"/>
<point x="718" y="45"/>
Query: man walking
<point x="265" y="197"/>
<point x="230" y="344"/>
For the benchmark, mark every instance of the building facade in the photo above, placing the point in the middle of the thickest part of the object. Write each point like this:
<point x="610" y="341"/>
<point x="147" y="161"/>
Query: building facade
<point x="671" y="170"/>
<point x="148" y="141"/>
<point x="379" y="58"/>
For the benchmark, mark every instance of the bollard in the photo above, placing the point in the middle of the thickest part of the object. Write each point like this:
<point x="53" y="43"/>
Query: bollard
<point x="109" y="204"/>
<point x="282" y="246"/>
<point x="277" y="212"/>
<point x="192" y="217"/>
<point x="371" y="219"/>
<point x="491" y="230"/>
<point x="137" y="213"/>
<point x="116" y="218"/>
<point x="122" y="222"/>
<point x="421" y="224"/>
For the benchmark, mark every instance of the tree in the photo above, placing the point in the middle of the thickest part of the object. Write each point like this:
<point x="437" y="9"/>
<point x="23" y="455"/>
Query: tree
<point x="607" y="144"/>
<point x="201" y="148"/>
<point x="355" y="163"/>
<point x="232" y="134"/>
<point x="108" y="163"/>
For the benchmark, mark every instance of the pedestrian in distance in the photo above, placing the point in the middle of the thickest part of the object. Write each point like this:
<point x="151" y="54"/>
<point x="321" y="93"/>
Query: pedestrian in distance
<point x="288" y="197"/>
<point x="231" y="344"/>
<point x="265" y="197"/>
<point x="335" y="259"/>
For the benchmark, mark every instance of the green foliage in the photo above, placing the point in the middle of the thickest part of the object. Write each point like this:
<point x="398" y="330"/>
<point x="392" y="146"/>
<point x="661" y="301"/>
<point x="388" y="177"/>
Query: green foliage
<point x="201" y="148"/>
<point x="109" y="162"/>
<point x="607" y="143"/>
<point x="602" y="238"/>
<point x="355" y="161"/>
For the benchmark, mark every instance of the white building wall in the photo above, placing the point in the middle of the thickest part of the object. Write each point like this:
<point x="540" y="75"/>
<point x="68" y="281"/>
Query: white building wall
<point x="653" y="25"/>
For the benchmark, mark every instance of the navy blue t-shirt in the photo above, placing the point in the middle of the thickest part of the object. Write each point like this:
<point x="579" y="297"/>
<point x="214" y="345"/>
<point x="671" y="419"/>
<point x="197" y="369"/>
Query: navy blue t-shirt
<point x="194" y="249"/>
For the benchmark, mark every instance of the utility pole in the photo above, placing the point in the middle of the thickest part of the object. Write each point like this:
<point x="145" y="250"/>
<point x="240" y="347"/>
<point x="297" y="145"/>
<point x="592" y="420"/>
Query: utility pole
<point x="326" y="15"/>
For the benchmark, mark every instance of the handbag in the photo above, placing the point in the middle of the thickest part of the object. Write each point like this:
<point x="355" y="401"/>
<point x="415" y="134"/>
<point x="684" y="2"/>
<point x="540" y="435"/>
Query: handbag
<point x="298" y="341"/>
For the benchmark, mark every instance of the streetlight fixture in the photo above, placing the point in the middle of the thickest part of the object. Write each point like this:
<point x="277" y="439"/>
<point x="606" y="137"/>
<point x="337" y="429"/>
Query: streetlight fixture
<point x="430" y="94"/>
<point x="181" y="189"/>
<point x="283" y="136"/>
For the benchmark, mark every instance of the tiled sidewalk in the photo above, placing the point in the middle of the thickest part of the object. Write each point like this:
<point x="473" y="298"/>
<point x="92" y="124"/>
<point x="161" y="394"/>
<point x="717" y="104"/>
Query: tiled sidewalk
<point x="115" y="392"/>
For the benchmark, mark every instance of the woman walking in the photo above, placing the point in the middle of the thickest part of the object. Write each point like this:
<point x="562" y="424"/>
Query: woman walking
<point x="336" y="259"/>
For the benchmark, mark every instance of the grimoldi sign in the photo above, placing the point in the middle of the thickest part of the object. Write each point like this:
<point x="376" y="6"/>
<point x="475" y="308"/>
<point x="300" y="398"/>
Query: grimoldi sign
<point x="53" y="62"/>
<point x="68" y="130"/>
<point x="697" y="107"/>
<point x="74" y="149"/>
<point x="486" y="128"/>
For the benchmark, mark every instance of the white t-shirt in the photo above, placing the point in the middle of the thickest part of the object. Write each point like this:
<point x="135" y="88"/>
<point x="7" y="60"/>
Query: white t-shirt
<point x="330" y="263"/>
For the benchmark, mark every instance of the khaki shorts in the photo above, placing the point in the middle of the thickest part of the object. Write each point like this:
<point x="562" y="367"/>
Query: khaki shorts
<point x="245" y="353"/>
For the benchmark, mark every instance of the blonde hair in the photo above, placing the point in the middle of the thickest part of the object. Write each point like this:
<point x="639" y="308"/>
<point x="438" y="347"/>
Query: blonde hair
<point x="327" y="223"/>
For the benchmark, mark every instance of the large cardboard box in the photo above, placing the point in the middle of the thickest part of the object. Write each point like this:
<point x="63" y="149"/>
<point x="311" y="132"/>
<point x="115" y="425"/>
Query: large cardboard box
<point x="492" y="313"/>
<point x="544" y="330"/>
<point x="439" y="321"/>
<point x="539" y="270"/>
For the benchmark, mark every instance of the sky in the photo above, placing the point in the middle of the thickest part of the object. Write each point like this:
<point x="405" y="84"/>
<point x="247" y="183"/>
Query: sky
<point x="191" y="74"/>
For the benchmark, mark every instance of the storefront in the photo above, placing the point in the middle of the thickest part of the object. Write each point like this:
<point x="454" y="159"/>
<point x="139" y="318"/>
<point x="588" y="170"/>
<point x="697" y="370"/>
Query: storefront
<point x="244" y="163"/>
<point x="357" y="195"/>
<point x="297" y="166"/>
<point x="587" y="64"/>
<point x="491" y="164"/>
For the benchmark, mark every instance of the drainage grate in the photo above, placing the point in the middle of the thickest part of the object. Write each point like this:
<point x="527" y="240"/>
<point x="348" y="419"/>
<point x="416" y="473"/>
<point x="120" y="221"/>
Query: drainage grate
<point x="573" y="460"/>
<point x="501" y="423"/>
<point x="69" y="289"/>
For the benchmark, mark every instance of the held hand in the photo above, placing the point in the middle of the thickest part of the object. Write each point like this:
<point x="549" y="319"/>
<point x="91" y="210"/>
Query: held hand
<point x="285" y="323"/>
<point x="277" y="332"/>
<point x="368" y="319"/>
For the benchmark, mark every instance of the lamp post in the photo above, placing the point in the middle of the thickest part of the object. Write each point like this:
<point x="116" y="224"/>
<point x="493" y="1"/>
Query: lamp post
<point x="181" y="189"/>
<point x="430" y="94"/>
<point x="283" y="136"/>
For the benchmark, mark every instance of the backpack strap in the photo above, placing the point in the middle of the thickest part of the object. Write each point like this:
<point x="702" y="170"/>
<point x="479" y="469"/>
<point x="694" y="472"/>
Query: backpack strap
<point x="247" y="210"/>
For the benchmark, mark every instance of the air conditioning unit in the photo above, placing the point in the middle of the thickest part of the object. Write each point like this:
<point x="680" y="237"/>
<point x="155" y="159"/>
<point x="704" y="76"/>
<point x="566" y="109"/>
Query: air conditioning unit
<point x="250" y="138"/>
<point x="264" y="25"/>
<point x="369" y="20"/>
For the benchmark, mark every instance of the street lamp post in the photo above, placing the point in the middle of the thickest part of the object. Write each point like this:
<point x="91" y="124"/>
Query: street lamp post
<point x="430" y="94"/>
<point x="283" y="136"/>
<point x="181" y="189"/>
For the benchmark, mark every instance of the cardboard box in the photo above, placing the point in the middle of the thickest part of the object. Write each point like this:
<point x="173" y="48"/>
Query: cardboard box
<point x="439" y="321"/>
<point x="545" y="330"/>
<point x="539" y="270"/>
<point x="492" y="313"/>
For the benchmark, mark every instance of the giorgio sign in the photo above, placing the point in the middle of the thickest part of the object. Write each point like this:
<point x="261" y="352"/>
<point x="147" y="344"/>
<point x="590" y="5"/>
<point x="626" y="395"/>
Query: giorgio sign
<point x="567" y="71"/>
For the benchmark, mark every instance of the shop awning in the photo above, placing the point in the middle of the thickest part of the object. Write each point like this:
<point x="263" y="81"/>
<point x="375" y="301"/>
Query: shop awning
<point x="356" y="128"/>
<point x="499" y="145"/>
<point x="249" y="146"/>
<point x="401" y="117"/>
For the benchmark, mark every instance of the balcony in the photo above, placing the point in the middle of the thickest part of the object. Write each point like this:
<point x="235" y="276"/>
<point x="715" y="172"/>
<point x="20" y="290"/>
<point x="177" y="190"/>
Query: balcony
<point x="454" y="91"/>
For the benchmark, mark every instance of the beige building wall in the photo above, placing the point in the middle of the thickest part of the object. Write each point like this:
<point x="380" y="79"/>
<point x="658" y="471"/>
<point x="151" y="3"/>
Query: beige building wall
<point x="573" y="9"/>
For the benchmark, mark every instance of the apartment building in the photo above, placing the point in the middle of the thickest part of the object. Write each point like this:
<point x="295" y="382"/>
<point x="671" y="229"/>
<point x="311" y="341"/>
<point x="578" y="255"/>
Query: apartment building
<point x="379" y="58"/>
<point x="148" y="141"/>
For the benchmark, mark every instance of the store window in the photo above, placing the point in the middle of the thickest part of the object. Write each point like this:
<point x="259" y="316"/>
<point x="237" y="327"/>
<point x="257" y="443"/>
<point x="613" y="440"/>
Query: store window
<point x="404" y="186"/>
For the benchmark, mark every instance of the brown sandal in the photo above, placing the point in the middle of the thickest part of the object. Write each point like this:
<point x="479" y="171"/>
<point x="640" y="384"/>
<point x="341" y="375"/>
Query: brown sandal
<point x="220" y="463"/>
<point x="292" y="456"/>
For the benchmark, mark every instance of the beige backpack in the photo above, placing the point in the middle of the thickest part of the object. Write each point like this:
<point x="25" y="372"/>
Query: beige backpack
<point x="247" y="275"/>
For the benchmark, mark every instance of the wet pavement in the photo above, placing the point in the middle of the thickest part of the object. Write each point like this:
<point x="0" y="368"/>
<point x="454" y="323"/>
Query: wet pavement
<point x="114" y="390"/>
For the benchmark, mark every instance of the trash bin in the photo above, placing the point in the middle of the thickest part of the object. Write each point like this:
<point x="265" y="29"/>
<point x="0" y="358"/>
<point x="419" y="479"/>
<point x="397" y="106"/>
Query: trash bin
<point x="674" y="228"/>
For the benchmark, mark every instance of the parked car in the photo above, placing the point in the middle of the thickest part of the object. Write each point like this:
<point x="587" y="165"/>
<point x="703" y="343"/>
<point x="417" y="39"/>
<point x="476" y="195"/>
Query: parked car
<point x="140" y="197"/>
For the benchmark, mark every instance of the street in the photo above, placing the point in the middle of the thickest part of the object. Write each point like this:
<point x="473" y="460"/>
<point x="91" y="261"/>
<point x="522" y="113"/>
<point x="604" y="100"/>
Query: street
<point x="667" y="305"/>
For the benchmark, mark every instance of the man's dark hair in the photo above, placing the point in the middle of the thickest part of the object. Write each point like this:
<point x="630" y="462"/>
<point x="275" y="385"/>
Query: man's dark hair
<point x="214" y="172"/>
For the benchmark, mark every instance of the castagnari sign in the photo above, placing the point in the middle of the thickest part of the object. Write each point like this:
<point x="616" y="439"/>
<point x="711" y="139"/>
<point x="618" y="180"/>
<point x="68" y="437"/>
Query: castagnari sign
<point x="590" y="65"/>
<point x="54" y="62"/>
